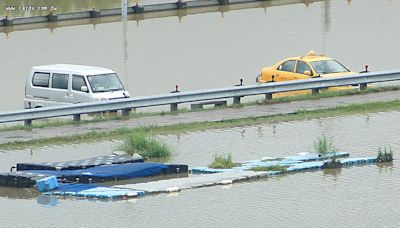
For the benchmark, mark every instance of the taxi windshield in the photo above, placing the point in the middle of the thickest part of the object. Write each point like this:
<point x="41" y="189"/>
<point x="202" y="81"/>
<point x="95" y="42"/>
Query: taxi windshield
<point x="328" y="67"/>
<point x="105" y="83"/>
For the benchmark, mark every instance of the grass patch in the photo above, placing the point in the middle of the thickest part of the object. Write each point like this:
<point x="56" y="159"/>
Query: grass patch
<point x="334" y="93"/>
<point x="270" y="168"/>
<point x="324" y="145"/>
<point x="146" y="145"/>
<point x="197" y="126"/>
<point x="222" y="161"/>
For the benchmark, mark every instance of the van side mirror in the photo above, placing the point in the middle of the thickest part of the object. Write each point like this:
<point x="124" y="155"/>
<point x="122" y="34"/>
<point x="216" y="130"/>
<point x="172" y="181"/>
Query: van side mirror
<point x="84" y="89"/>
<point x="307" y="72"/>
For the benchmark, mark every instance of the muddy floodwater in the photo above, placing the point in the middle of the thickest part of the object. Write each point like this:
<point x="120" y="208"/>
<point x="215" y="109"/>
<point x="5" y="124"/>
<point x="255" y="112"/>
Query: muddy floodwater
<point x="207" y="50"/>
<point x="364" y="196"/>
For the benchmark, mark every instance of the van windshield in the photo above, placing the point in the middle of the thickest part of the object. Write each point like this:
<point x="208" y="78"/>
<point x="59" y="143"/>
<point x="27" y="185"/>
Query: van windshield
<point x="105" y="83"/>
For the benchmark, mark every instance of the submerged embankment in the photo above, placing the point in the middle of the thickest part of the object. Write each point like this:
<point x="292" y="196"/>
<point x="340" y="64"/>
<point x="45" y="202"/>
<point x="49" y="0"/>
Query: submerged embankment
<point x="247" y="115"/>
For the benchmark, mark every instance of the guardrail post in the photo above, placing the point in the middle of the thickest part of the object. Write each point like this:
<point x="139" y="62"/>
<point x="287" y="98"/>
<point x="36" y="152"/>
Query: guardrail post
<point x="94" y="13"/>
<point x="77" y="117"/>
<point x="315" y="91"/>
<point x="268" y="96"/>
<point x="137" y="8"/>
<point x="363" y="86"/>
<point x="174" y="106"/>
<point x="180" y="4"/>
<point x="28" y="123"/>
<point x="7" y="22"/>
<point x="236" y="100"/>
<point x="125" y="112"/>
<point x="51" y="17"/>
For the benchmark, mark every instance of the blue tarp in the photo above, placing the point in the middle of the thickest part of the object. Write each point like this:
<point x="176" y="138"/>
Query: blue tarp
<point x="108" y="172"/>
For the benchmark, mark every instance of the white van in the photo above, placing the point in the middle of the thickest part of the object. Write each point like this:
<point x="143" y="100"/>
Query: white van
<point x="65" y="84"/>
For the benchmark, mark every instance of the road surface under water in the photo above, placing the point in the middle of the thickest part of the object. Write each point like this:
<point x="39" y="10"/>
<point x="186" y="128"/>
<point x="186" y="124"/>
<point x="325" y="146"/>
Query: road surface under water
<point x="206" y="50"/>
<point x="364" y="196"/>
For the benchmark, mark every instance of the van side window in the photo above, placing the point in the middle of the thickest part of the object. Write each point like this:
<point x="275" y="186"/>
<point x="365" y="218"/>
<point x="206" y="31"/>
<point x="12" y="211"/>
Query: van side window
<point x="77" y="82"/>
<point x="60" y="81"/>
<point x="41" y="79"/>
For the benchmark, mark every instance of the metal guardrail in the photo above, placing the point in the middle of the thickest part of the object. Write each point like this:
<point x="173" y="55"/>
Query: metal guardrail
<point x="173" y="99"/>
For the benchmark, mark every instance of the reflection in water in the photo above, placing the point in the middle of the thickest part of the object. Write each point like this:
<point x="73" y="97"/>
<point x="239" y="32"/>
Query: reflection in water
<point x="333" y="172"/>
<point x="326" y="21"/>
<point x="50" y="201"/>
<point x="385" y="167"/>
<point x="18" y="193"/>
<point x="326" y="18"/>
<point x="125" y="49"/>
<point x="139" y="17"/>
<point x="259" y="132"/>
<point x="181" y="13"/>
<point x="26" y="8"/>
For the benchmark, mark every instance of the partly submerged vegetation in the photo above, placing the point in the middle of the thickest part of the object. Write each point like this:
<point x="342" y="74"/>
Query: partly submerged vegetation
<point x="145" y="145"/>
<point x="385" y="154"/>
<point x="270" y="168"/>
<point x="324" y="146"/>
<point x="222" y="161"/>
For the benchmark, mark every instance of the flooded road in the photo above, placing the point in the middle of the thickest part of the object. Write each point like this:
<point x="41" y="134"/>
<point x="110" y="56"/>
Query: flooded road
<point x="207" y="50"/>
<point x="355" y="196"/>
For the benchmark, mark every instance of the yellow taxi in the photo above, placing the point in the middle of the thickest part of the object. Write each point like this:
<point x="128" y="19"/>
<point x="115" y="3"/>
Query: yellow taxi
<point x="304" y="67"/>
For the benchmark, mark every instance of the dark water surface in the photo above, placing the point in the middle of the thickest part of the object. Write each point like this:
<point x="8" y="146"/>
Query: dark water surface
<point x="208" y="50"/>
<point x="364" y="196"/>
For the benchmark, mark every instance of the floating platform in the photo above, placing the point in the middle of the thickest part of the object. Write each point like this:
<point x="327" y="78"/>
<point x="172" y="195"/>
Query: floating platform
<point x="194" y="181"/>
<point x="94" y="191"/>
<point x="211" y="177"/>
<point x="291" y="166"/>
<point x="20" y="179"/>
<point x="268" y="162"/>
<point x="98" y="169"/>
<point x="113" y="172"/>
<point x="81" y="164"/>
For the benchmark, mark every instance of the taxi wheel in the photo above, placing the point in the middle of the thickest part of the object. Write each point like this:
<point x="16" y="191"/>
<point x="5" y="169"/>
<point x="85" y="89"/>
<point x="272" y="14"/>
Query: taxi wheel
<point x="258" y="78"/>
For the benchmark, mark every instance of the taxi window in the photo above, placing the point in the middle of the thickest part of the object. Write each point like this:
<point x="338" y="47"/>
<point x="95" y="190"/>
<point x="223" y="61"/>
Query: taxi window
<point x="287" y="66"/>
<point x="302" y="66"/>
